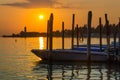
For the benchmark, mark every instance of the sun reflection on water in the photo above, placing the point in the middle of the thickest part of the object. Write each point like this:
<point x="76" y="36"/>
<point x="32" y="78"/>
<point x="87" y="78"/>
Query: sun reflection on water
<point x="41" y="43"/>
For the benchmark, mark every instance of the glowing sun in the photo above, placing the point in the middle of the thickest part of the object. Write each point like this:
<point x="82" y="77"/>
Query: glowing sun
<point x="41" y="16"/>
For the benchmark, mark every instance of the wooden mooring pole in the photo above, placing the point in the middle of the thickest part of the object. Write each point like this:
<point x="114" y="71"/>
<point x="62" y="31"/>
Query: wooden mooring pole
<point x="108" y="35"/>
<point x="77" y="35"/>
<point x="119" y="40"/>
<point x="47" y="44"/>
<point x="100" y="25"/>
<point x="50" y="45"/>
<point x="114" y="35"/>
<point x="73" y="22"/>
<point x="50" y="37"/>
<point x="50" y="31"/>
<point x="119" y="32"/>
<point x="62" y="35"/>
<point x="89" y="36"/>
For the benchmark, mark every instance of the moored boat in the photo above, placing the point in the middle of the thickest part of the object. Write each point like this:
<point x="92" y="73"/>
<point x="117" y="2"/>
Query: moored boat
<point x="69" y="55"/>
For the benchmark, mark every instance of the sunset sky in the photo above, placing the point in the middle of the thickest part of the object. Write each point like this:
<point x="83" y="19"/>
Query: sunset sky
<point x="16" y="14"/>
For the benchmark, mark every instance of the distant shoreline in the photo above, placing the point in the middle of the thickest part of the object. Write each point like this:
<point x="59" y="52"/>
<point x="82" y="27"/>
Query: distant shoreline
<point x="53" y="36"/>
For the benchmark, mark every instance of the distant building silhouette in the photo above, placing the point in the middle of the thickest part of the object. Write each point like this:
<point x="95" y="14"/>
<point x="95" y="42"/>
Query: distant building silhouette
<point x="25" y="29"/>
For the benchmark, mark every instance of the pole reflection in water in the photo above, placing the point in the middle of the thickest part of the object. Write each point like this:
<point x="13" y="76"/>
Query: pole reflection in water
<point x="41" y="43"/>
<point x="89" y="71"/>
<point x="49" y="76"/>
<point x="70" y="71"/>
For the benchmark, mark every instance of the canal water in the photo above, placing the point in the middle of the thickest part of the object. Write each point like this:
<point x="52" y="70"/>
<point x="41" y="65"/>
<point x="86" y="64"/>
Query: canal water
<point x="17" y="62"/>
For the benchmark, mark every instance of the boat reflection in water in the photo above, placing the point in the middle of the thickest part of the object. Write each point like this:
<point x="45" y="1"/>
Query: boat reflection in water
<point x="77" y="71"/>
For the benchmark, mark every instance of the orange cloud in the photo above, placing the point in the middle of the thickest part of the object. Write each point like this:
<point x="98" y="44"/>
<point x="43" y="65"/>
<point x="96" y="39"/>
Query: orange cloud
<point x="38" y="4"/>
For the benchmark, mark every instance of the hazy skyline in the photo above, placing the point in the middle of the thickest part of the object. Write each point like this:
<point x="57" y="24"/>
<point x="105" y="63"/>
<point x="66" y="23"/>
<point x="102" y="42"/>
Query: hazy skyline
<point x="16" y="14"/>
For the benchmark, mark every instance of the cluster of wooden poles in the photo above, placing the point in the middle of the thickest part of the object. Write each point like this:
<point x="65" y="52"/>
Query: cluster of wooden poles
<point x="50" y="35"/>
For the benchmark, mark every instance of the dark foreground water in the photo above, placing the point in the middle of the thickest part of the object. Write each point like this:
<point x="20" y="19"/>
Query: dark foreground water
<point x="79" y="71"/>
<point x="18" y="63"/>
